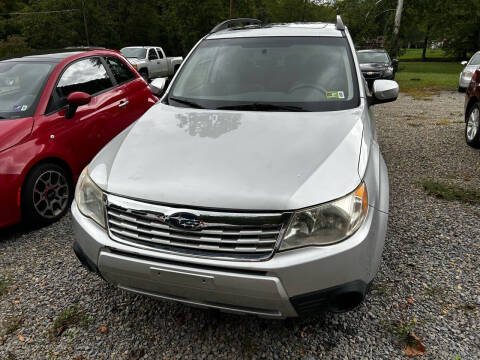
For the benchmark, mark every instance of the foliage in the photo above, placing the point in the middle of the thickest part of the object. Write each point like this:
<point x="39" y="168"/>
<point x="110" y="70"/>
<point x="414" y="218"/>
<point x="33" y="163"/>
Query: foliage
<point x="178" y="24"/>
<point x="15" y="45"/>
<point x="451" y="192"/>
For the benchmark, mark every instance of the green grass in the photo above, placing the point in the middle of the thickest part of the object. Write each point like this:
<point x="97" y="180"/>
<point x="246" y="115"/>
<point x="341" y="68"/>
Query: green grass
<point x="451" y="192"/>
<point x="12" y="324"/>
<point x="402" y="331"/>
<point x="68" y="318"/>
<point x="4" y="284"/>
<point x="432" y="54"/>
<point x="417" y="78"/>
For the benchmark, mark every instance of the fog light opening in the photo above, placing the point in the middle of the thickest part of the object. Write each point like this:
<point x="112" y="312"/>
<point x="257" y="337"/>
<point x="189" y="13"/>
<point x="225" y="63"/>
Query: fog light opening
<point x="347" y="301"/>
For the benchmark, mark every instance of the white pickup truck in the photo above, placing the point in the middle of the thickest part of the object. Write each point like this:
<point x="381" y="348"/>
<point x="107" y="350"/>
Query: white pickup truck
<point x="151" y="62"/>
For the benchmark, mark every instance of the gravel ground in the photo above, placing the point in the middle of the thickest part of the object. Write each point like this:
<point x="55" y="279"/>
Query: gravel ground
<point x="428" y="282"/>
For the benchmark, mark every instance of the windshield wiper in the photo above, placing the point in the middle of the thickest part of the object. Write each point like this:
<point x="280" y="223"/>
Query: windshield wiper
<point x="262" y="107"/>
<point x="186" y="102"/>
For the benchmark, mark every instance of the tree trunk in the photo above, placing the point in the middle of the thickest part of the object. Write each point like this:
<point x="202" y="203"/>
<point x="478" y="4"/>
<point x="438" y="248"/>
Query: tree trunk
<point x="396" y="28"/>
<point x="425" y="45"/>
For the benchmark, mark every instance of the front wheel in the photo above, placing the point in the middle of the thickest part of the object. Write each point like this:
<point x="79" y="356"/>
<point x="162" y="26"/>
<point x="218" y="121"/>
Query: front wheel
<point x="472" y="127"/>
<point x="144" y="74"/>
<point x="46" y="195"/>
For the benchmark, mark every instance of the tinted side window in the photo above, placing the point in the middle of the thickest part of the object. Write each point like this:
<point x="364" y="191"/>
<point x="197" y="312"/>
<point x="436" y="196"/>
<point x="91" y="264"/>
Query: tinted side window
<point x="121" y="71"/>
<point x="152" y="55"/>
<point x="89" y="76"/>
<point x="160" y="54"/>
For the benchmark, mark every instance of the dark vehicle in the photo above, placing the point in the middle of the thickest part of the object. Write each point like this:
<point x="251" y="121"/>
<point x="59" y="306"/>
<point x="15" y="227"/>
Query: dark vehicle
<point x="472" y="111"/>
<point x="376" y="64"/>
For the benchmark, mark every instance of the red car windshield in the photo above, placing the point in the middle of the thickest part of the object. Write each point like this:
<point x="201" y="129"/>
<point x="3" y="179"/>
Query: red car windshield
<point x="21" y="84"/>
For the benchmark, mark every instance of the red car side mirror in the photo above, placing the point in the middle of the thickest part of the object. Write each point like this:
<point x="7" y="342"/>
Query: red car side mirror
<point x="74" y="100"/>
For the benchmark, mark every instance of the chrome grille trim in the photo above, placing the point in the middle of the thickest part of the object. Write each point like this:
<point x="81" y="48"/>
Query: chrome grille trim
<point x="224" y="235"/>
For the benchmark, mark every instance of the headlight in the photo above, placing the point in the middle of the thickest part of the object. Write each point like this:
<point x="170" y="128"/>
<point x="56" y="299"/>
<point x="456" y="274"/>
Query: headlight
<point x="328" y="223"/>
<point x="89" y="198"/>
<point x="389" y="71"/>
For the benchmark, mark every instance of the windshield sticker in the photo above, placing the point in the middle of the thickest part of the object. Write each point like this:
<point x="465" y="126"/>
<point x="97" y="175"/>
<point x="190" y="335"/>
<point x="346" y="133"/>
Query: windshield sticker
<point x="335" y="95"/>
<point x="20" y="107"/>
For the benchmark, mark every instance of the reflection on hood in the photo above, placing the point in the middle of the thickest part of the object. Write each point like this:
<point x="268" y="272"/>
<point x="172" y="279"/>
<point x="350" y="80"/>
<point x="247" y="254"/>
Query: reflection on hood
<point x="208" y="125"/>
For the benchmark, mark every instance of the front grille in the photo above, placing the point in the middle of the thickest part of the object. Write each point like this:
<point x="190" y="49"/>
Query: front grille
<point x="372" y="74"/>
<point x="248" y="236"/>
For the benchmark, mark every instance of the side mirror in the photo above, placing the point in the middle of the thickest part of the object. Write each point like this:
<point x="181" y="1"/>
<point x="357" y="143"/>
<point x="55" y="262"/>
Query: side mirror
<point x="384" y="91"/>
<point x="464" y="62"/>
<point x="74" y="100"/>
<point x="158" y="86"/>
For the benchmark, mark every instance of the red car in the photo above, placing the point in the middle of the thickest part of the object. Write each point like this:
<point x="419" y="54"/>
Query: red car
<point x="472" y="111"/>
<point x="56" y="112"/>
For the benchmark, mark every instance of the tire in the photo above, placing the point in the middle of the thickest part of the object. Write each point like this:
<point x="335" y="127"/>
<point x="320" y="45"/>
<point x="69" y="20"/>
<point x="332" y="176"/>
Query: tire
<point x="462" y="89"/>
<point x="144" y="74"/>
<point x="472" y="126"/>
<point x="46" y="194"/>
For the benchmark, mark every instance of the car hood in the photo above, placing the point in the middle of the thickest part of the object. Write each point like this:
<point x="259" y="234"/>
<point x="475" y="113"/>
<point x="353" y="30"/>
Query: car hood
<point x="14" y="131"/>
<point x="135" y="61"/>
<point x="373" y="66"/>
<point x="233" y="160"/>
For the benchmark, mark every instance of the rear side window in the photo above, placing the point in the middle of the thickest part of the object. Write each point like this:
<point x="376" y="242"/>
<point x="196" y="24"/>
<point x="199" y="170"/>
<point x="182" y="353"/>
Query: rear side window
<point x="120" y="71"/>
<point x="88" y="76"/>
<point x="160" y="53"/>
<point x="152" y="54"/>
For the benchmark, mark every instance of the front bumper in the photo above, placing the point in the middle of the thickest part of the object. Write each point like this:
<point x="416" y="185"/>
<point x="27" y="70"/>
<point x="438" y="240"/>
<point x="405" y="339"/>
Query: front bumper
<point x="377" y="76"/>
<point x="291" y="283"/>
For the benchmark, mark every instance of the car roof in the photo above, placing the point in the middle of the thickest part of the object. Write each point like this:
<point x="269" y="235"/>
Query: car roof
<point x="284" y="29"/>
<point x="372" y="50"/>
<point x="58" y="57"/>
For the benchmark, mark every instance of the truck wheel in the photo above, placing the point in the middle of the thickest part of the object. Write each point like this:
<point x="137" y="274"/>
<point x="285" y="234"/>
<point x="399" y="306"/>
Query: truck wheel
<point x="144" y="73"/>
<point x="46" y="194"/>
<point x="472" y="127"/>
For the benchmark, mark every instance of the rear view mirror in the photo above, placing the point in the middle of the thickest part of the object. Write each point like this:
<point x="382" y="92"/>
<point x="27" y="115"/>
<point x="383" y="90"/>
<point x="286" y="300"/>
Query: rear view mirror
<point x="464" y="62"/>
<point x="74" y="100"/>
<point x="158" y="86"/>
<point x="384" y="91"/>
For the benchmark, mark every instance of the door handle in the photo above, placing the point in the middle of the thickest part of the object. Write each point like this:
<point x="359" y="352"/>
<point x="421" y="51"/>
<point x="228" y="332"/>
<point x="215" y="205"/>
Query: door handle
<point x="123" y="103"/>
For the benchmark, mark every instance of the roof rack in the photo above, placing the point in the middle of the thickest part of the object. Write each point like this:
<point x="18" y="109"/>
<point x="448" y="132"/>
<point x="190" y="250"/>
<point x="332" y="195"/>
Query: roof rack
<point x="340" y="25"/>
<point x="226" y="23"/>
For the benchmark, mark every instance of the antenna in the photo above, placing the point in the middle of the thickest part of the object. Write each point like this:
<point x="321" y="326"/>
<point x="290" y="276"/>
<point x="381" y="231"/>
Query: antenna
<point x="340" y="25"/>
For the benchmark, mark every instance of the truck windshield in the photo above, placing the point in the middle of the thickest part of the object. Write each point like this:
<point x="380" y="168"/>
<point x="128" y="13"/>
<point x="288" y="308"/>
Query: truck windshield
<point x="268" y="74"/>
<point x="139" y="53"/>
<point x="373" y="57"/>
<point x="21" y="84"/>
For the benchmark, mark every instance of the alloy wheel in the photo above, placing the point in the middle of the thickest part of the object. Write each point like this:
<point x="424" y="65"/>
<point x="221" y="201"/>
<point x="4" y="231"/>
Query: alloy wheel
<point x="473" y="124"/>
<point x="50" y="194"/>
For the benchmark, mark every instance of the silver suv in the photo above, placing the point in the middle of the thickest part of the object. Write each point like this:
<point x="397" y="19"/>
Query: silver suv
<point x="255" y="185"/>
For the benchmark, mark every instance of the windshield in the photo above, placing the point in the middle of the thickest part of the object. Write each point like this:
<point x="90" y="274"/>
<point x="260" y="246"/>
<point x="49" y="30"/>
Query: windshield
<point x="268" y="74"/>
<point x="373" y="57"/>
<point x="21" y="84"/>
<point x="139" y="53"/>
<point x="475" y="60"/>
